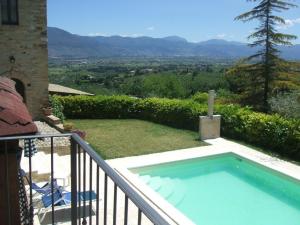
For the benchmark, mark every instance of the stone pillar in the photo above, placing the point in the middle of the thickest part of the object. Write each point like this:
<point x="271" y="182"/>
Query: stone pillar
<point x="210" y="125"/>
<point x="211" y="102"/>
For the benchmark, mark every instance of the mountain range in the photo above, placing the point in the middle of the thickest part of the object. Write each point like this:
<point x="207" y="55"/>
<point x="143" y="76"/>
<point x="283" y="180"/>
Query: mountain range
<point x="64" y="44"/>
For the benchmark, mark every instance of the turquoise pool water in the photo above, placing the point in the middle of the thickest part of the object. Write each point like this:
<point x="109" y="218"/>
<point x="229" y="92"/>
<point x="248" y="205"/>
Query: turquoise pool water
<point x="226" y="190"/>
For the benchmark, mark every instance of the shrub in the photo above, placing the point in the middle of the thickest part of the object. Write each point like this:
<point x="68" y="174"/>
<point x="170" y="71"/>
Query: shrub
<point x="272" y="132"/>
<point x="99" y="107"/>
<point x="57" y="108"/>
<point x="200" y="97"/>
<point x="176" y="113"/>
<point x="172" y="112"/>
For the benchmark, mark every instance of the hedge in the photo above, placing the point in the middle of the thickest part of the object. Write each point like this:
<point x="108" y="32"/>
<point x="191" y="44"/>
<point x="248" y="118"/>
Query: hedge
<point x="271" y="132"/>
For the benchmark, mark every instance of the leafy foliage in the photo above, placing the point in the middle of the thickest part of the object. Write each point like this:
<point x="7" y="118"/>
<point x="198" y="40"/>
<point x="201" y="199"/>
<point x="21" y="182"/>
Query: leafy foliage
<point x="273" y="132"/>
<point x="200" y="97"/>
<point x="57" y="108"/>
<point x="171" y="78"/>
<point x="286" y="104"/>
<point x="225" y="96"/>
<point x="267" y="63"/>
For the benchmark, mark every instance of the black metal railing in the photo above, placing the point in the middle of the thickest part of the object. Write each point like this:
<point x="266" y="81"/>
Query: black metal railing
<point x="97" y="193"/>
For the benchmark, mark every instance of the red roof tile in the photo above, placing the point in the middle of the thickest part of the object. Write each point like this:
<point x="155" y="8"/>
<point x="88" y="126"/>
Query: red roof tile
<point x="14" y="116"/>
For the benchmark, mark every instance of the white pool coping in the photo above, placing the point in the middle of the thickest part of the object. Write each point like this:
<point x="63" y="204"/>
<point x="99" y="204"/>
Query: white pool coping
<point x="217" y="146"/>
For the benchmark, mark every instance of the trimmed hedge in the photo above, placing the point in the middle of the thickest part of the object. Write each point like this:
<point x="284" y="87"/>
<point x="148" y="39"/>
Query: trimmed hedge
<point x="272" y="132"/>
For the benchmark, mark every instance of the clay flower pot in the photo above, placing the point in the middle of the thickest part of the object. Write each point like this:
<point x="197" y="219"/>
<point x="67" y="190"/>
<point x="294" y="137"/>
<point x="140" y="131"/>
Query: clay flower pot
<point x="80" y="133"/>
<point x="68" y="126"/>
<point x="47" y="111"/>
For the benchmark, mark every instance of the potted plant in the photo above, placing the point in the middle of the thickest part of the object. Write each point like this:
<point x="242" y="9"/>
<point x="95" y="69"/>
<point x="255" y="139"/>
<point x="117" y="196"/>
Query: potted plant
<point x="68" y="126"/>
<point x="47" y="110"/>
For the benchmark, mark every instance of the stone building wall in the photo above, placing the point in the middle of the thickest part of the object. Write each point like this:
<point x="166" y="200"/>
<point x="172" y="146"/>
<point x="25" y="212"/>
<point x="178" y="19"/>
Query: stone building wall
<point x="27" y="44"/>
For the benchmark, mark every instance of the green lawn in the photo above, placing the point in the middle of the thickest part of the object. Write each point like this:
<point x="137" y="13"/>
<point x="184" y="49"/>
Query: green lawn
<point x="122" y="138"/>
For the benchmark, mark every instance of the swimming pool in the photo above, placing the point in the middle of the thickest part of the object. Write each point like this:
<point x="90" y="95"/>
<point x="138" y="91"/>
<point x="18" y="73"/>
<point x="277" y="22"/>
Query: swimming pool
<point x="226" y="189"/>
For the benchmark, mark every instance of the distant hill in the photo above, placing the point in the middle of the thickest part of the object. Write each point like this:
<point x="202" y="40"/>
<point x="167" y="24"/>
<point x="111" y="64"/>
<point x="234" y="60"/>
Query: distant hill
<point x="64" y="44"/>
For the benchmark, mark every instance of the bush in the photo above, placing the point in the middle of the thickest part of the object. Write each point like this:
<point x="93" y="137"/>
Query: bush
<point x="272" y="132"/>
<point x="176" y="113"/>
<point x="200" y="97"/>
<point x="57" y="108"/>
<point x="172" y="112"/>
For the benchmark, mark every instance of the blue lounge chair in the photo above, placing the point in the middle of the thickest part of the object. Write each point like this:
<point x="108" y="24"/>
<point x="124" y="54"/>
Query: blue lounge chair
<point x="43" y="190"/>
<point x="62" y="200"/>
<point x="61" y="197"/>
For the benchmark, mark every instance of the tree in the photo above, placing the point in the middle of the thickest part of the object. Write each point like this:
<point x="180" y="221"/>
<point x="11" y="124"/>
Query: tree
<point x="266" y="63"/>
<point x="133" y="86"/>
<point x="286" y="104"/>
<point x="245" y="83"/>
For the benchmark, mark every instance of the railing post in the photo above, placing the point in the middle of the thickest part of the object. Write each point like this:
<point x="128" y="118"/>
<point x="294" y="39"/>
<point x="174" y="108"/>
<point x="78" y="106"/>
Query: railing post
<point x="9" y="184"/>
<point x="73" y="181"/>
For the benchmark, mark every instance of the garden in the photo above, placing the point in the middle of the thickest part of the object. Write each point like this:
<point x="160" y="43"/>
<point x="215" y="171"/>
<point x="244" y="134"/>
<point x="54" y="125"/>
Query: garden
<point x="276" y="134"/>
<point x="116" y="138"/>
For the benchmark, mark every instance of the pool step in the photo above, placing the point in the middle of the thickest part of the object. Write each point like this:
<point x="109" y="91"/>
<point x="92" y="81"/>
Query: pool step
<point x="145" y="178"/>
<point x="155" y="183"/>
<point x="173" y="190"/>
<point x="180" y="196"/>
<point x="167" y="188"/>
<point x="179" y="193"/>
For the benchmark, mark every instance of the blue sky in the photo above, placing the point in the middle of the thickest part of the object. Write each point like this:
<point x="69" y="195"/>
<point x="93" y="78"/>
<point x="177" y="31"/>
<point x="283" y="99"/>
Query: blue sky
<point x="195" y="20"/>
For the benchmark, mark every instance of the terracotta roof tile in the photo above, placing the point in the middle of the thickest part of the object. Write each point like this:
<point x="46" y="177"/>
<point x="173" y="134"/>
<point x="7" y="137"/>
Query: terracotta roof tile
<point x="14" y="116"/>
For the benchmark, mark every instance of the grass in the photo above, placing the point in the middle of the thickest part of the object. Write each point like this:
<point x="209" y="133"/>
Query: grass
<point x="123" y="138"/>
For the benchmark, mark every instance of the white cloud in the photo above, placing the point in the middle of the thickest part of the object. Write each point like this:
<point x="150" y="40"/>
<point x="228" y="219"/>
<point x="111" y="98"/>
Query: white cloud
<point x="131" y="35"/>
<point x="150" y="28"/>
<point x="109" y="35"/>
<point x="97" y="34"/>
<point x="220" y="36"/>
<point x="289" y="23"/>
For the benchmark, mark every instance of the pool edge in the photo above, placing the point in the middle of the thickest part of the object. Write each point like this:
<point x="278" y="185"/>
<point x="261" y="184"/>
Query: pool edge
<point x="218" y="146"/>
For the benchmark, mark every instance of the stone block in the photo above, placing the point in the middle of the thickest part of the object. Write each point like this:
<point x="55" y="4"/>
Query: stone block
<point x="209" y="127"/>
<point x="53" y="120"/>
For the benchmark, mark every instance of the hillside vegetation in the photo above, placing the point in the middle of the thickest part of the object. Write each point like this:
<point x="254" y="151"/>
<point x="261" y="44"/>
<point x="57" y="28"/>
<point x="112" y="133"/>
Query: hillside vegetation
<point x="173" y="78"/>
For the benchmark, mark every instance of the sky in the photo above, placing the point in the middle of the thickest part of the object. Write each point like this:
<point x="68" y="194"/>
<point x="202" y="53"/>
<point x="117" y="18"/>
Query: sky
<point x="194" y="20"/>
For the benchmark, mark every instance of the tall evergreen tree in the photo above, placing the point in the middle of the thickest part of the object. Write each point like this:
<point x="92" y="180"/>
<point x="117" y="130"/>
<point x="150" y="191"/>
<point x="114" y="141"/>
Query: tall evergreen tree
<point x="266" y="63"/>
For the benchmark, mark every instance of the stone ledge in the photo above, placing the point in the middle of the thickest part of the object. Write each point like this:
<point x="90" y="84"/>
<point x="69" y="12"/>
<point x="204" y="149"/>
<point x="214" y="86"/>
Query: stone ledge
<point x="53" y="120"/>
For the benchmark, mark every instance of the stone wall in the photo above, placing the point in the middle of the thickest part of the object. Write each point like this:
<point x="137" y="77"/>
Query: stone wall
<point x="27" y="43"/>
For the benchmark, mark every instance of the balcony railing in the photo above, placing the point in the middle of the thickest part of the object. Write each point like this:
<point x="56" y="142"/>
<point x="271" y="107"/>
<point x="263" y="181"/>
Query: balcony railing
<point x="97" y="193"/>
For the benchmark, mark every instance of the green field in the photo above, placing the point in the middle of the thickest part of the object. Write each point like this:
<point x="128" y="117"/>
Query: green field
<point x="122" y="138"/>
